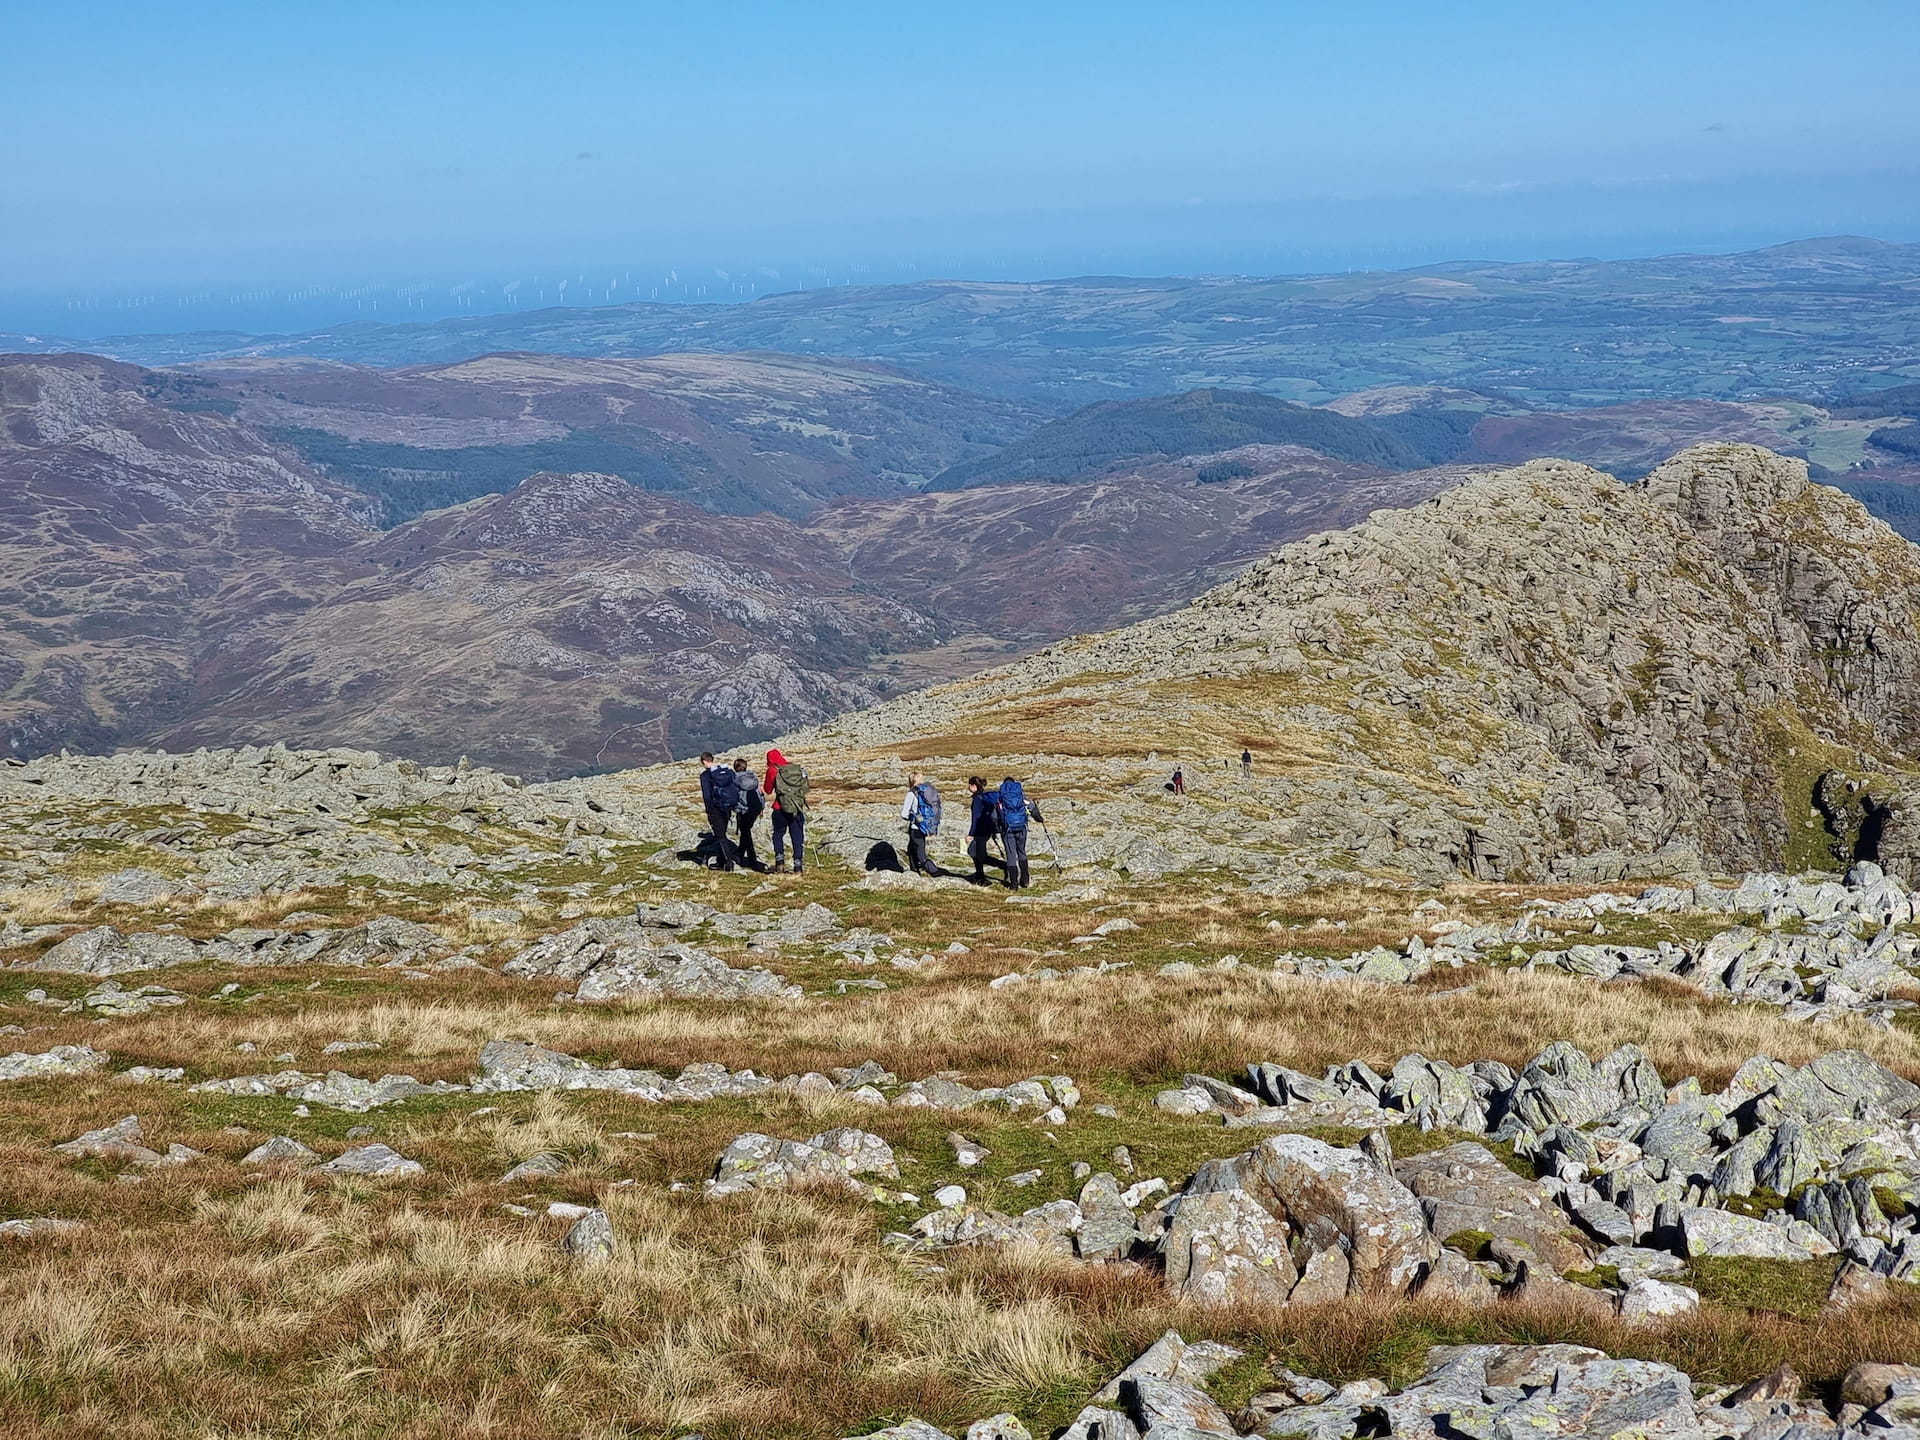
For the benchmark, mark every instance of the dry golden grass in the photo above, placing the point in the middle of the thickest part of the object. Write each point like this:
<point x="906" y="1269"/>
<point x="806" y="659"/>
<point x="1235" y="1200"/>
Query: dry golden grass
<point x="1000" y="744"/>
<point x="1127" y="1024"/>
<point x="297" y="1309"/>
<point x="209" y="1301"/>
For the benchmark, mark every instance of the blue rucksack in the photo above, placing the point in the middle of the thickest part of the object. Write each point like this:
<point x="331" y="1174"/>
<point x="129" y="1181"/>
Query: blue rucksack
<point x="1013" y="806"/>
<point x="926" y="808"/>
<point x="726" y="789"/>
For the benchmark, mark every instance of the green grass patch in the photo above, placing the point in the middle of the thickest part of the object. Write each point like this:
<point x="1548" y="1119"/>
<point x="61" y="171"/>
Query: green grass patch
<point x="1787" y="1287"/>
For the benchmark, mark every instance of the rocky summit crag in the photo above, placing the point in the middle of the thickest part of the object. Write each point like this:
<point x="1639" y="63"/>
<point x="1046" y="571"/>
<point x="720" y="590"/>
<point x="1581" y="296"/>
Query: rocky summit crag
<point x="1541" y="672"/>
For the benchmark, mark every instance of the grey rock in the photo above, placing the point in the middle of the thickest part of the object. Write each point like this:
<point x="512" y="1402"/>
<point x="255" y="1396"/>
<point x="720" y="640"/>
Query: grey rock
<point x="60" y="1060"/>
<point x="1464" y="1187"/>
<point x="507" y="1065"/>
<point x="1340" y="1200"/>
<point x="1101" y="1422"/>
<point x="105" y="950"/>
<point x="377" y="1161"/>
<point x="590" y="1240"/>
<point x="1331" y="1420"/>
<point x="281" y="1149"/>
<point x="543" y="1166"/>
<point x="616" y="959"/>
<point x="1637" y="1397"/>
<point x="122" y="1140"/>
<point x="1872" y="1383"/>
<point x="1171" y="1357"/>
<point x="1790" y="1161"/>
<point x="1107" y="1223"/>
<point x="1223" y="1247"/>
<point x="141" y="887"/>
<point x="1153" y="1403"/>
<point x="758" y="1162"/>
<point x="1004" y="1426"/>
<point x="1722" y="1233"/>
<point x="1648" y="1301"/>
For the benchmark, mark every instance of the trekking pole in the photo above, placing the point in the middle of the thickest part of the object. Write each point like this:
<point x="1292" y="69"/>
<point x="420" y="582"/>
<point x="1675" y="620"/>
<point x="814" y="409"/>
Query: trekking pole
<point x="1052" y="849"/>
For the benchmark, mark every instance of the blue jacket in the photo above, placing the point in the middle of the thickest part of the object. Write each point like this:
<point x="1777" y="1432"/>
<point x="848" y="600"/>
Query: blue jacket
<point x="986" y="814"/>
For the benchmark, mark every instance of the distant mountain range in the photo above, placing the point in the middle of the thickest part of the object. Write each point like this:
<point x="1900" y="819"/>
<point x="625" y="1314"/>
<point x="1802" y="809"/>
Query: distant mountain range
<point x="174" y="570"/>
<point x="559" y="562"/>
<point x="1811" y="319"/>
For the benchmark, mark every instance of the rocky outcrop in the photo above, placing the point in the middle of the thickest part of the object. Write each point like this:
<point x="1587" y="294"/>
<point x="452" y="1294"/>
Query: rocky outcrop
<point x="617" y="960"/>
<point x="831" y="1159"/>
<point x="1610" y="1167"/>
<point x="1498" y="1390"/>
<point x="1539" y="672"/>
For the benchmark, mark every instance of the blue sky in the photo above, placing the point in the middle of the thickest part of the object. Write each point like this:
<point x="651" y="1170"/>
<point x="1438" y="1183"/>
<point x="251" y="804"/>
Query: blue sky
<point x="226" y="145"/>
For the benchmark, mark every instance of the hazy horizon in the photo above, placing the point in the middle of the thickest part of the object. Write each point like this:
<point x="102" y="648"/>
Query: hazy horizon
<point x="260" y="169"/>
<point x="303" y="305"/>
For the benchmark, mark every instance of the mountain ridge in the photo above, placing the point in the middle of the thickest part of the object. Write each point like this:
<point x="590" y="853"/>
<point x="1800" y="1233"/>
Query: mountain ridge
<point x="171" y="573"/>
<point x="1538" y="672"/>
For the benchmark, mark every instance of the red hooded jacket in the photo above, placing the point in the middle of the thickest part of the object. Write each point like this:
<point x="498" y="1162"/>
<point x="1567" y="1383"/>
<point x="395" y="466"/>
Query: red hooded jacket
<point x="775" y="763"/>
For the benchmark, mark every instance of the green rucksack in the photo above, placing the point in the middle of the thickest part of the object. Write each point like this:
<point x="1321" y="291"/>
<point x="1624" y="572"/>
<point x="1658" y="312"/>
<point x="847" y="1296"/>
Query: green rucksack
<point x="790" y="788"/>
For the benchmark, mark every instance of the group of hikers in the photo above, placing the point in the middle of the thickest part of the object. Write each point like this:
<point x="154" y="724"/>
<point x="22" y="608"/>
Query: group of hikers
<point x="994" y="812"/>
<point x="735" y="798"/>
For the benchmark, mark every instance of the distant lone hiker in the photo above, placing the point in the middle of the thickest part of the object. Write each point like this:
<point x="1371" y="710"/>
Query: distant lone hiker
<point x="921" y="811"/>
<point x="1016" y="811"/>
<point x="1178" y="784"/>
<point x="983" y="824"/>
<point x="787" y="788"/>
<point x="719" y="793"/>
<point x="1246" y="764"/>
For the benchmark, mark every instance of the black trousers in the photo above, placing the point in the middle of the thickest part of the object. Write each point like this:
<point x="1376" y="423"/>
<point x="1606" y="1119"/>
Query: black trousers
<point x="749" y="855"/>
<point x="1018" y="877"/>
<point x="917" y="860"/>
<point x="720" y="822"/>
<point x="796" y="826"/>
<point x="982" y="857"/>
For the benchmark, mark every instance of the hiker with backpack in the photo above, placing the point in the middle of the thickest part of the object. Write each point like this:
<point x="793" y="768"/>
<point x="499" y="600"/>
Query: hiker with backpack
<point x="720" y="794"/>
<point x="787" y="788"/>
<point x="921" y="811"/>
<point x="983" y="825"/>
<point x="747" y="810"/>
<point x="1016" y="812"/>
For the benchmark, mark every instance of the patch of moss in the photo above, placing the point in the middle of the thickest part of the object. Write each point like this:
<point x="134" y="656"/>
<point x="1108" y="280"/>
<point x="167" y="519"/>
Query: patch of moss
<point x="1787" y="1287"/>
<point x="1234" y="1384"/>
<point x="1470" y="1243"/>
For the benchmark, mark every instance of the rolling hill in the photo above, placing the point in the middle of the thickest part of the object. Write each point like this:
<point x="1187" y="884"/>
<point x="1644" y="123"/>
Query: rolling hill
<point x="1197" y="422"/>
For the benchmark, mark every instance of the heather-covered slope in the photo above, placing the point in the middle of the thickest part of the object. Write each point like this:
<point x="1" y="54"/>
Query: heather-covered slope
<point x="136" y="533"/>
